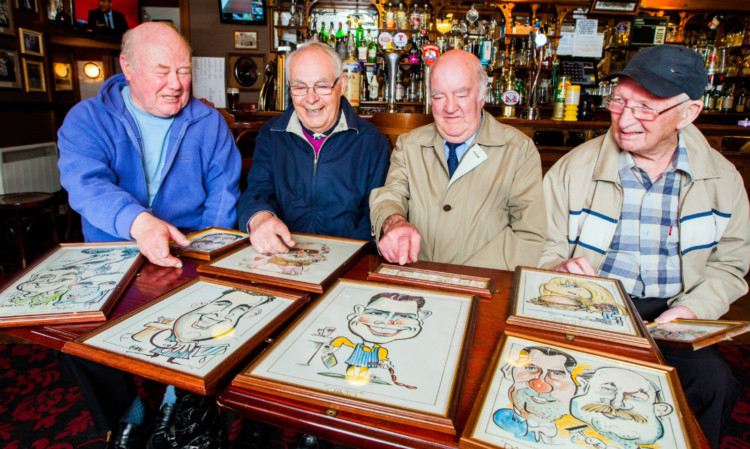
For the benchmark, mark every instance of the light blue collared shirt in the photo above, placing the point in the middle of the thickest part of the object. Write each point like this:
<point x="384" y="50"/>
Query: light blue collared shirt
<point x="464" y="147"/>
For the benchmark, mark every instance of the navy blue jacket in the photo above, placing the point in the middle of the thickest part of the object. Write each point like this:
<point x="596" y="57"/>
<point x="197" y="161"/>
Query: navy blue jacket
<point x="330" y="197"/>
<point x="101" y="167"/>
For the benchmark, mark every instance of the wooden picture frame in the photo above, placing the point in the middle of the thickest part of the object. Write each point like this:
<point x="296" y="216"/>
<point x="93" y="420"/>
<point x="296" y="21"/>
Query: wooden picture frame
<point x="246" y="71"/>
<point x="209" y="243"/>
<point x="173" y="340"/>
<point x="615" y="7"/>
<point x="62" y="83"/>
<point x="33" y="76"/>
<point x="696" y="334"/>
<point x="12" y="78"/>
<point x="576" y="305"/>
<point x="6" y="18"/>
<point x="323" y="357"/>
<point x="574" y="416"/>
<point x="311" y="265"/>
<point x="31" y="42"/>
<point x="462" y="283"/>
<point x="27" y="5"/>
<point x="71" y="283"/>
<point x="246" y="40"/>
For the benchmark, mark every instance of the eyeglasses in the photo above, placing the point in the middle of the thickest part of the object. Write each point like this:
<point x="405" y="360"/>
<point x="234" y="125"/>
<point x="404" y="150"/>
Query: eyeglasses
<point x="299" y="90"/>
<point x="617" y="105"/>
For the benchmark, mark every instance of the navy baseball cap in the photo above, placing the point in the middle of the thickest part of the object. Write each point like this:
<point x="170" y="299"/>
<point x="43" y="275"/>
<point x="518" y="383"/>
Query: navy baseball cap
<point x="666" y="71"/>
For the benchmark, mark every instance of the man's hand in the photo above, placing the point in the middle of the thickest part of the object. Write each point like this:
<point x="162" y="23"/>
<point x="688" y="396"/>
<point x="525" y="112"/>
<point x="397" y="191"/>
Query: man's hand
<point x="676" y="312"/>
<point x="269" y="234"/>
<point x="579" y="265"/>
<point x="153" y="235"/>
<point x="400" y="241"/>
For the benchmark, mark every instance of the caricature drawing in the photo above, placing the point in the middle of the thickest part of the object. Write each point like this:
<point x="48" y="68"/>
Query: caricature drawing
<point x="213" y="241"/>
<point x="294" y="262"/>
<point x="586" y="300"/>
<point x="387" y="317"/>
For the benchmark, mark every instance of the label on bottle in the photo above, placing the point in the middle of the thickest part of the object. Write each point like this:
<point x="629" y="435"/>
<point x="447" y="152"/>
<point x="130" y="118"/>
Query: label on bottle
<point x="390" y="23"/>
<point x="352" y="88"/>
<point x="362" y="53"/>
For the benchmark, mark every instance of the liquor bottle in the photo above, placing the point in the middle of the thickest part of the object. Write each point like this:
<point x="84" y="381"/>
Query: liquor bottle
<point x="510" y="95"/>
<point x="717" y="95"/>
<point x="312" y="31"/>
<point x="708" y="93"/>
<point x="427" y="17"/>
<point x="353" y="79"/>
<point x="412" y="90"/>
<point x="340" y="33"/>
<point x="323" y="35"/>
<point x="739" y="105"/>
<point x="332" y="37"/>
<point x="360" y="35"/>
<point x="373" y="86"/>
<point x="401" y="21"/>
<point x="362" y="51"/>
<point x="727" y="101"/>
<point x="415" y="21"/>
<point x="390" y="18"/>
<point x="341" y="45"/>
<point x="372" y="51"/>
<point x="381" y="85"/>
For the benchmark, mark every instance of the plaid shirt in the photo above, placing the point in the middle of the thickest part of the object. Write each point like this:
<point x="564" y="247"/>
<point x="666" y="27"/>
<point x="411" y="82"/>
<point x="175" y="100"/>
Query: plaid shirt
<point x="644" y="253"/>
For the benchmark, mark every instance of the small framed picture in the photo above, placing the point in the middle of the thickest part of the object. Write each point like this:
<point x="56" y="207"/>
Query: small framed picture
<point x="246" y="40"/>
<point x="696" y="334"/>
<point x="618" y="7"/>
<point x="6" y="18"/>
<point x="63" y="74"/>
<point x="209" y="243"/>
<point x="312" y="264"/>
<point x="397" y="274"/>
<point x="245" y="71"/>
<point x="192" y="336"/>
<point x="31" y="42"/>
<point x="33" y="76"/>
<point x="10" y="71"/>
<point x="577" y="305"/>
<point x="27" y="5"/>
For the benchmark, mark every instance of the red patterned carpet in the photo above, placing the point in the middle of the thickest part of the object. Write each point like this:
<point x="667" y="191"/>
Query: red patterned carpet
<point x="41" y="408"/>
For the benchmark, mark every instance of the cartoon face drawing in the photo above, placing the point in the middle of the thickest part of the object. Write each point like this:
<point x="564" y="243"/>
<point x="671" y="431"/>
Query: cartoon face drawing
<point x="542" y="383"/>
<point x="89" y="290"/>
<point x="388" y="317"/>
<point x="217" y="318"/>
<point x="210" y="242"/>
<point x="621" y="405"/>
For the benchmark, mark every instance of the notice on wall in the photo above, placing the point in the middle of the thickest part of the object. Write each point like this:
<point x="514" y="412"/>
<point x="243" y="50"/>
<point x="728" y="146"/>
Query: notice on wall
<point x="583" y="41"/>
<point x="209" y="81"/>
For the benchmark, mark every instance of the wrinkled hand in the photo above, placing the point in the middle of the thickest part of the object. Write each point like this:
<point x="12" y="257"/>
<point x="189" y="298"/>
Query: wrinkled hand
<point x="153" y="235"/>
<point x="400" y="241"/>
<point x="269" y="234"/>
<point x="674" y="313"/>
<point x="579" y="265"/>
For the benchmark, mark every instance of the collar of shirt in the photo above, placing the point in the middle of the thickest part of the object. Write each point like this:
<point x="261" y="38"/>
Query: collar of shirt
<point x="679" y="161"/>
<point x="464" y="147"/>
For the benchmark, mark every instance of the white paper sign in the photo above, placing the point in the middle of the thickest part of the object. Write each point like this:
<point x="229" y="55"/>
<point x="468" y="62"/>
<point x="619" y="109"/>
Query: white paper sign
<point x="209" y="81"/>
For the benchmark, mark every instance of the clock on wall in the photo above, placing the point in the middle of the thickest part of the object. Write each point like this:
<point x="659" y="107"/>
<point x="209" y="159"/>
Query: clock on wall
<point x="245" y="71"/>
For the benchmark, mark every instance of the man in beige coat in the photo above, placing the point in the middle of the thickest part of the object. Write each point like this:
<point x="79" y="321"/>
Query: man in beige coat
<point x="464" y="189"/>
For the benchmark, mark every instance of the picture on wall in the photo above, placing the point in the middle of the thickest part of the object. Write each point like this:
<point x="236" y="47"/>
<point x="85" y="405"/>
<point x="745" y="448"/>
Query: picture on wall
<point x="71" y="283"/>
<point x="538" y="395"/>
<point x="6" y="18"/>
<point x="246" y="40"/>
<point x="312" y="264"/>
<point x="388" y="351"/>
<point x="63" y="73"/>
<point x="191" y="336"/>
<point x="33" y="76"/>
<point x="10" y="73"/>
<point x="245" y="71"/>
<point x="27" y="5"/>
<point x="31" y="42"/>
<point x="577" y="305"/>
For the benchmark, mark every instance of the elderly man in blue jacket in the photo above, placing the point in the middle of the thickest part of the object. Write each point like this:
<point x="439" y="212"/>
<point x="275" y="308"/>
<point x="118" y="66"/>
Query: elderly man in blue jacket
<point x="139" y="161"/>
<point x="314" y="165"/>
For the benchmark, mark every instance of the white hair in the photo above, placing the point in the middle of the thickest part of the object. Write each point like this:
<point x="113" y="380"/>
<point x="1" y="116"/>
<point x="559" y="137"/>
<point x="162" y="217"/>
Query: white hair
<point x="338" y="67"/>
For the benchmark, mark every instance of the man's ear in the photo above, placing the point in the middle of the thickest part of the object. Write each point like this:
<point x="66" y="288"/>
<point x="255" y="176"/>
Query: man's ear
<point x="691" y="112"/>
<point x="127" y="69"/>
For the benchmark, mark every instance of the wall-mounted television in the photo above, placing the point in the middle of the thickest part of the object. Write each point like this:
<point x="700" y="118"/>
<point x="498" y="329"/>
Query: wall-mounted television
<point x="246" y="12"/>
<point x="89" y="14"/>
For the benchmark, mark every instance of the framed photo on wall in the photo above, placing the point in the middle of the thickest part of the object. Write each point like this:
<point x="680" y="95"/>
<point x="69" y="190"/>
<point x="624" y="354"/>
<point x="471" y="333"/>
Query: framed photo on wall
<point x="27" y="5"/>
<point x="193" y="335"/>
<point x="6" y="18"/>
<point x="69" y="284"/>
<point x="33" y="76"/>
<point x="587" y="306"/>
<point x="209" y="243"/>
<point x="10" y="75"/>
<point x="31" y="42"/>
<point x="245" y="71"/>
<point x="349" y="352"/>
<point x="584" y="407"/>
<point x="63" y="74"/>
<point x="246" y="40"/>
<point x="617" y="7"/>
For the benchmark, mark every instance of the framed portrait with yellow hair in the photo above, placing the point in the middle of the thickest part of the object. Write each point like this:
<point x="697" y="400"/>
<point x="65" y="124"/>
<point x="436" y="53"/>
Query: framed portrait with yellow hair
<point x="576" y="305"/>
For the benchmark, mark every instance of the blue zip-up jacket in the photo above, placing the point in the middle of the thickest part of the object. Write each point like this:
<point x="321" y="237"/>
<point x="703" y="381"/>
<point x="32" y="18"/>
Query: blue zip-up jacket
<point x="101" y="167"/>
<point x="327" y="196"/>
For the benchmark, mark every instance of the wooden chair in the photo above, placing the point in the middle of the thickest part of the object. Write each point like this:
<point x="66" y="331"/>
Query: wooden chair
<point x="393" y="125"/>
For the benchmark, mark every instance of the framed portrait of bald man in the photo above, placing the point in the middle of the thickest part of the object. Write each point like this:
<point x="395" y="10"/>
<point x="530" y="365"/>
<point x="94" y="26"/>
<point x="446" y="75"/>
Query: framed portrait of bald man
<point x="539" y="394"/>
<point x="385" y="351"/>
<point x="576" y="305"/>
<point x="193" y="336"/>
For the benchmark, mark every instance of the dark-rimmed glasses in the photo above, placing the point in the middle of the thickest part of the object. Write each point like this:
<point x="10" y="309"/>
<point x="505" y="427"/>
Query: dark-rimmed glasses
<point x="617" y="105"/>
<point x="299" y="90"/>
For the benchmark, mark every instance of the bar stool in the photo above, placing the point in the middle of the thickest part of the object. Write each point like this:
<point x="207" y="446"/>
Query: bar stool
<point x="22" y="210"/>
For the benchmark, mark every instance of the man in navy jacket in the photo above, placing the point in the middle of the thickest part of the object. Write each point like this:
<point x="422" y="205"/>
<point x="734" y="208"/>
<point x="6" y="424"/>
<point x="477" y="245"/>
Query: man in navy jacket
<point x="315" y="165"/>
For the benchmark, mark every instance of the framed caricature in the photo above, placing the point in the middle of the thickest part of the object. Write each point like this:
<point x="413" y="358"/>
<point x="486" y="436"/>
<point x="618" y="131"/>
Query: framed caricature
<point x="31" y="42"/>
<point x="576" y="305"/>
<point x="33" y="76"/>
<point x="71" y="283"/>
<point x="209" y="243"/>
<point x="10" y="73"/>
<point x="395" y="353"/>
<point x="417" y="277"/>
<point x="696" y="334"/>
<point x="577" y="411"/>
<point x="192" y="336"/>
<point x="6" y="18"/>
<point x="312" y="264"/>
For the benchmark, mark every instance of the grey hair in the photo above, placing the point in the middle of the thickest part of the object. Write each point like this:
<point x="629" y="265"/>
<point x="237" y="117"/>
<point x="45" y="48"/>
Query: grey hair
<point x="338" y="67"/>
<point x="482" y="78"/>
<point x="133" y="37"/>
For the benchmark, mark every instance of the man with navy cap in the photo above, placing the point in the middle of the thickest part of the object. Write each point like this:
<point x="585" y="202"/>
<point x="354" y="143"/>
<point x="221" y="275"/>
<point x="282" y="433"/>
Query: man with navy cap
<point x="652" y="204"/>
